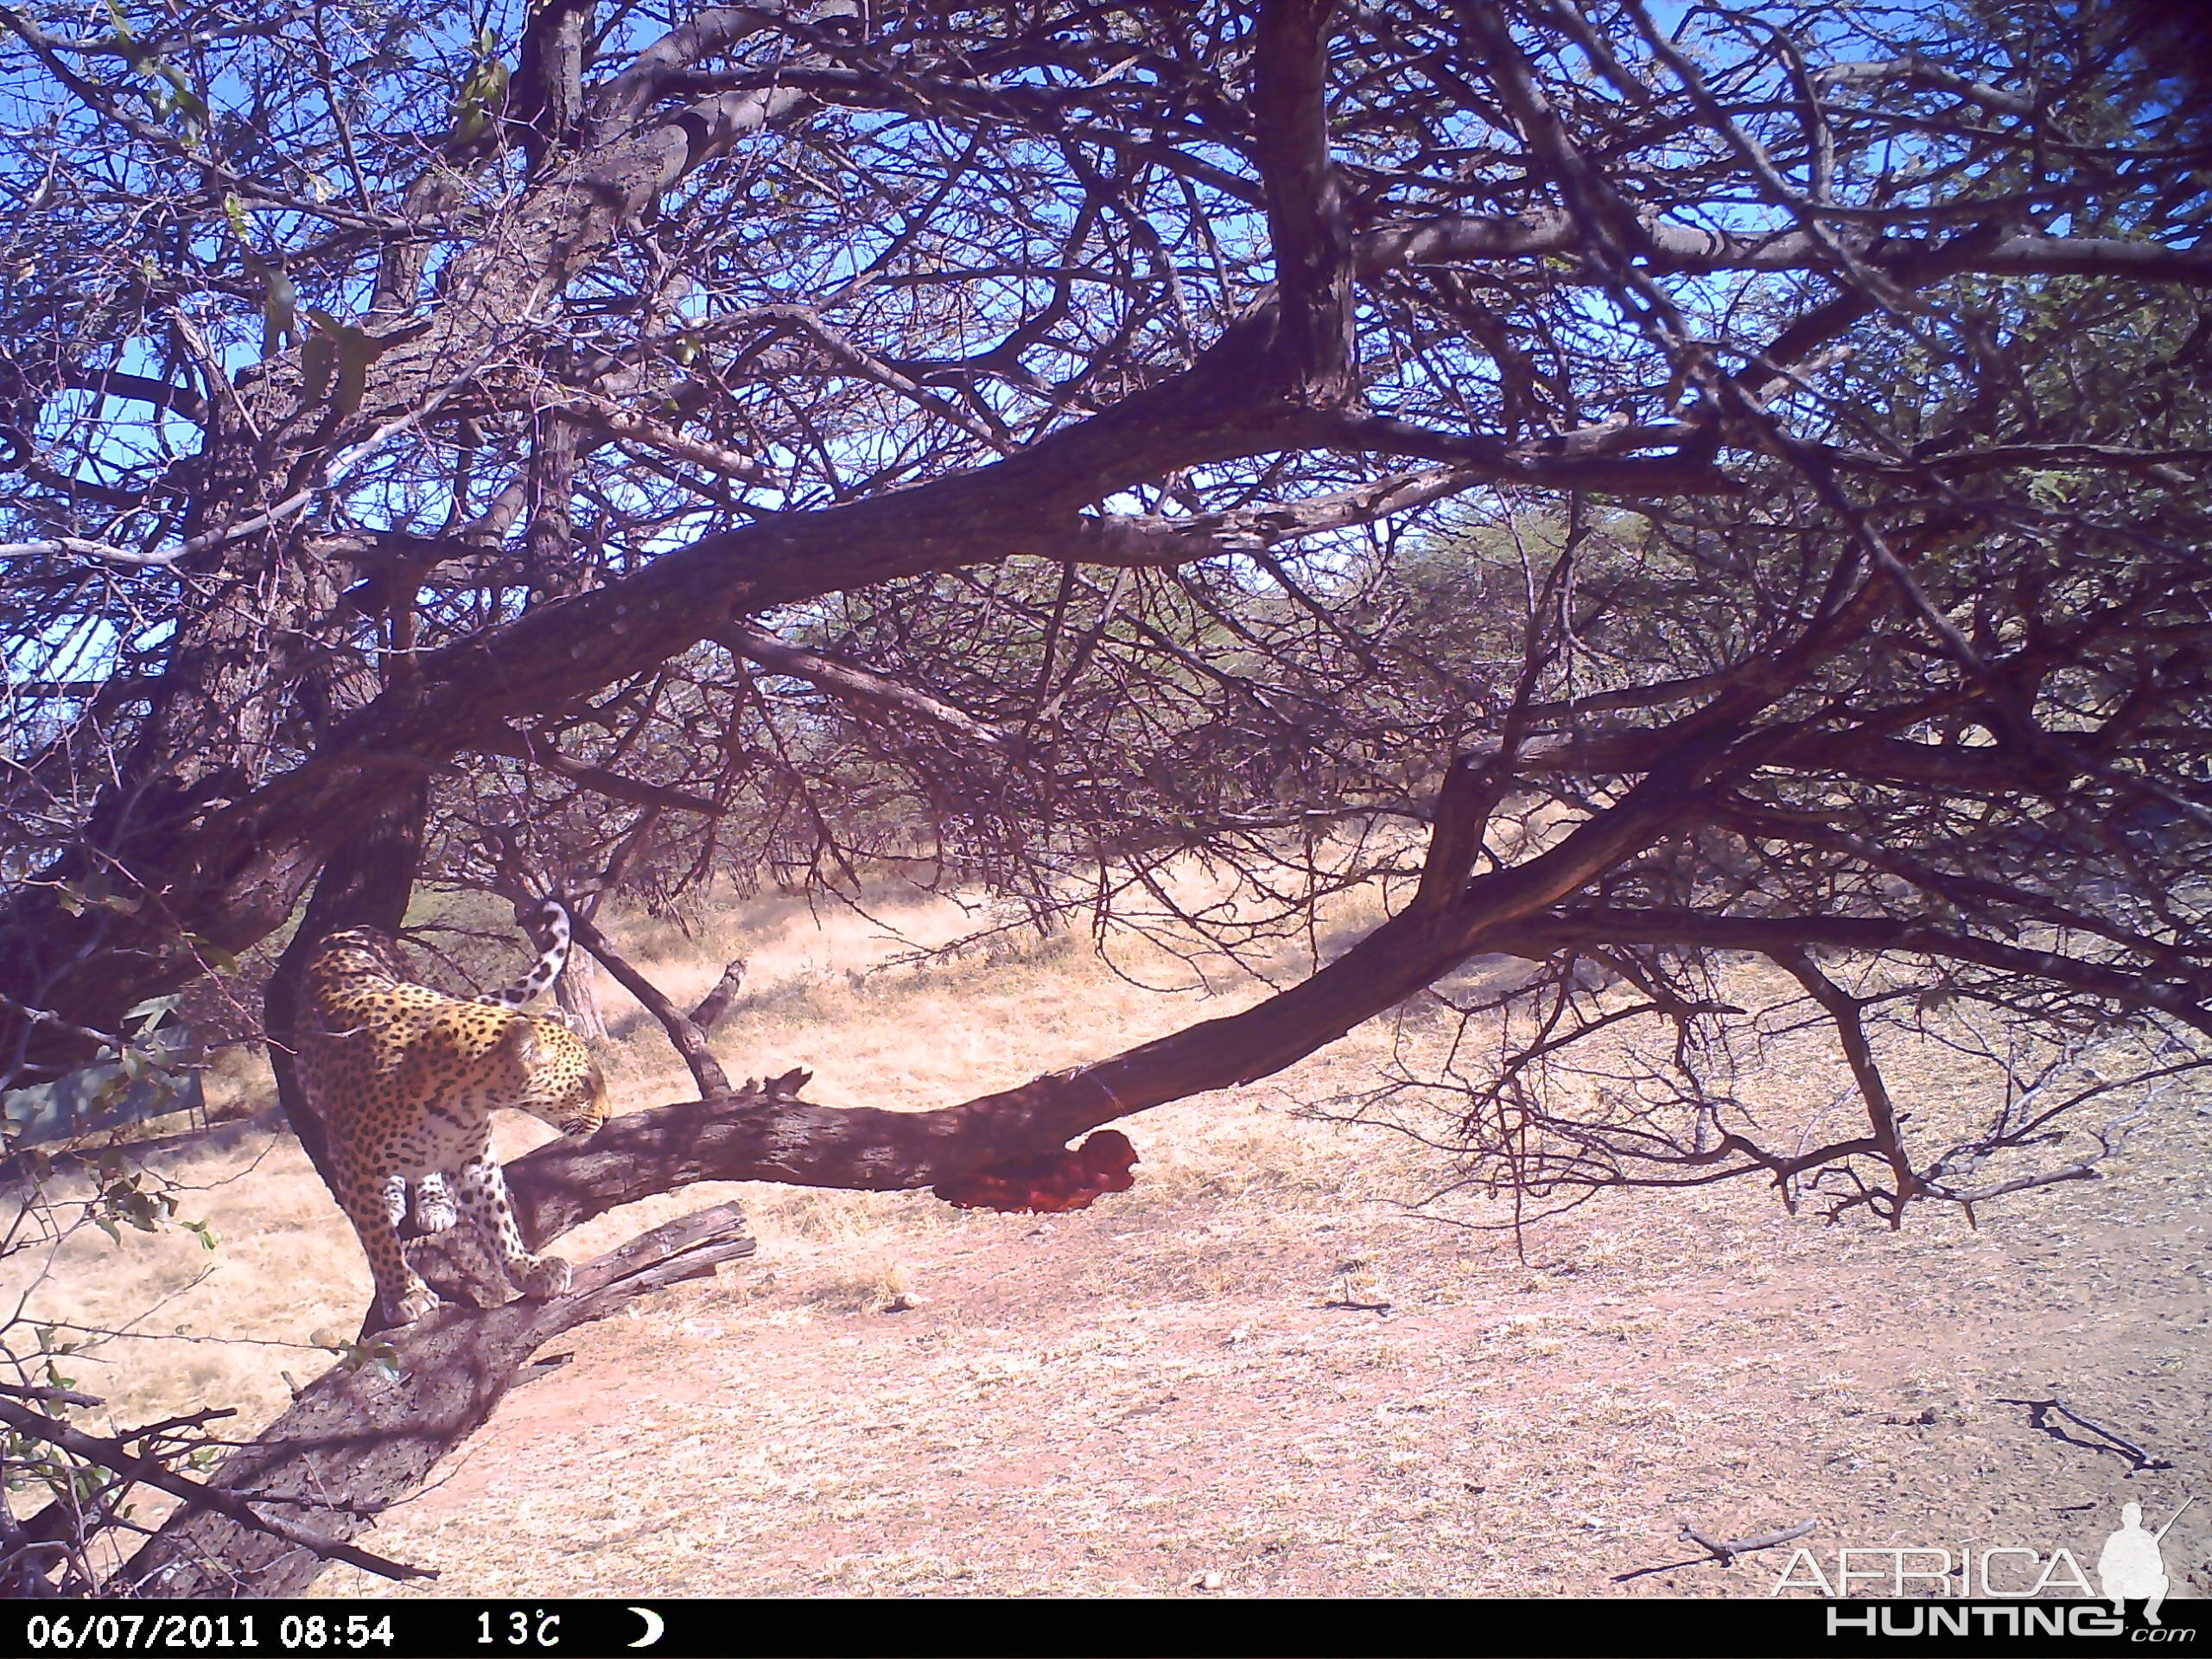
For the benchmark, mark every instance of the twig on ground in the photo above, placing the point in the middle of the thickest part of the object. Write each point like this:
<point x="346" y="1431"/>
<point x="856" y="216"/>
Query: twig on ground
<point x="2039" y="1415"/>
<point x="1726" y="1553"/>
<point x="1716" y="1550"/>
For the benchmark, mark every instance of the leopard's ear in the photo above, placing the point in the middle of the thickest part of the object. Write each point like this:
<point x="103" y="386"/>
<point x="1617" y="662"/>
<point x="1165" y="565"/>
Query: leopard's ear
<point x="521" y="1038"/>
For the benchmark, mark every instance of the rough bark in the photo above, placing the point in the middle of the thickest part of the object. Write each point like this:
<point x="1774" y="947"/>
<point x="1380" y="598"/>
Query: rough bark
<point x="357" y="1440"/>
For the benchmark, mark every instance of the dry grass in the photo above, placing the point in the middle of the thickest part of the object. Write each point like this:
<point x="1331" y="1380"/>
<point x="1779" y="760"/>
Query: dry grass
<point x="897" y="1397"/>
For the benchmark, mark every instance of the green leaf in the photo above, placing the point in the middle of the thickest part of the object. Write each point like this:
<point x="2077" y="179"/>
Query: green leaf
<point x="375" y="1351"/>
<point x="183" y="98"/>
<point x="222" y="961"/>
<point x="152" y="1010"/>
<point x="481" y="95"/>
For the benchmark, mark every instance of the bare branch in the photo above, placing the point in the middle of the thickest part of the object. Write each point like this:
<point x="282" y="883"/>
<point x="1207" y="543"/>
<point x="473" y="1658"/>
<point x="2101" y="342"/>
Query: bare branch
<point x="863" y="686"/>
<point x="145" y="1469"/>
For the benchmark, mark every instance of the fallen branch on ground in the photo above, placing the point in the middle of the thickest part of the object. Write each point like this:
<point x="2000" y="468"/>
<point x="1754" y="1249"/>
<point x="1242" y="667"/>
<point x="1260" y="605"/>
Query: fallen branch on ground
<point x="1716" y="1550"/>
<point x="2039" y="1415"/>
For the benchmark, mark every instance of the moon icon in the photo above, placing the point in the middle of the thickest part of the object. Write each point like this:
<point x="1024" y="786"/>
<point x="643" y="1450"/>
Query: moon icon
<point x="654" y="1626"/>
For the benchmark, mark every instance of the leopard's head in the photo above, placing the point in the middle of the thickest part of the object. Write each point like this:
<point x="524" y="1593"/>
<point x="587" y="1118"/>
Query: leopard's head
<point x="567" y="1087"/>
<point x="591" y="1112"/>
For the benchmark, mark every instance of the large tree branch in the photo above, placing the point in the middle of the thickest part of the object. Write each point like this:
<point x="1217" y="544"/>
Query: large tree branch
<point x="558" y="227"/>
<point x="114" y="383"/>
<point x="241" y="871"/>
<point x="1915" y="69"/>
<point x="628" y="426"/>
<point x="625" y="98"/>
<point x="234" y="873"/>
<point x="142" y="1468"/>
<point x="1026" y="502"/>
<point x="1307" y="225"/>
<point x="765" y="1136"/>
<point x="1461" y="238"/>
<point x="360" y="1439"/>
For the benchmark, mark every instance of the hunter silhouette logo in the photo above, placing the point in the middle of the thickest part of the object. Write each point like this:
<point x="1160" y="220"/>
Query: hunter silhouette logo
<point x="2131" y="1565"/>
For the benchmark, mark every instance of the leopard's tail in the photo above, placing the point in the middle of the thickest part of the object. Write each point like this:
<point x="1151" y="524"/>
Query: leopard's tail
<point x="549" y="924"/>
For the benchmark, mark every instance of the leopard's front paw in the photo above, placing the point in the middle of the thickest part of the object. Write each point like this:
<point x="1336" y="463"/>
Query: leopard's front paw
<point x="434" y="1210"/>
<point x="543" y="1277"/>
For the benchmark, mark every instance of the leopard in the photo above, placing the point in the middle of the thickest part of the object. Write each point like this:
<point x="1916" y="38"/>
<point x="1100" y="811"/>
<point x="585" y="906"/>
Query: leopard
<point x="430" y="1203"/>
<point x="405" y="1078"/>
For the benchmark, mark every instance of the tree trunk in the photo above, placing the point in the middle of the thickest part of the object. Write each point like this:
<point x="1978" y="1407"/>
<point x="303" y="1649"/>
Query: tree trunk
<point x="578" y="992"/>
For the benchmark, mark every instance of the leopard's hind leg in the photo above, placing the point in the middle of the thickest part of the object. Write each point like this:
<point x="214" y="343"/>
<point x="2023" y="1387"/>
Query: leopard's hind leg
<point x="402" y="1296"/>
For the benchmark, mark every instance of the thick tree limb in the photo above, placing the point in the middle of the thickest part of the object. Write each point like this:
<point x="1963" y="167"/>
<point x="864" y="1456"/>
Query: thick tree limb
<point x="1457" y="238"/>
<point x="232" y="876"/>
<point x="227" y="852"/>
<point x="766" y="1136"/>
<point x="1920" y="71"/>
<point x="241" y="872"/>
<point x="626" y="98"/>
<point x="114" y="383"/>
<point x="1307" y="225"/>
<point x="368" y="1439"/>
<point x="627" y="427"/>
